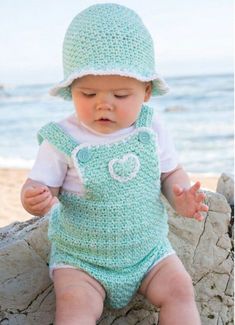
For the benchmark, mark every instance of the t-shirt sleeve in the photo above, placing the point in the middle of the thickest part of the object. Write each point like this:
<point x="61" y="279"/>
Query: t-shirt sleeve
<point x="50" y="166"/>
<point x="168" y="157"/>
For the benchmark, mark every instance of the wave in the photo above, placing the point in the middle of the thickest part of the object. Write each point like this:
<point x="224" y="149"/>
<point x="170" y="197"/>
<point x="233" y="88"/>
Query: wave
<point x="15" y="162"/>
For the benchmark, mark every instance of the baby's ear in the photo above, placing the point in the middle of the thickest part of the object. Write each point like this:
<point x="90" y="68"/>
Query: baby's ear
<point x="148" y="91"/>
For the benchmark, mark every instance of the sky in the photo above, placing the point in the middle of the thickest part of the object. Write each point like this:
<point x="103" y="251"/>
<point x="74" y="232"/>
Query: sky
<point x="190" y="36"/>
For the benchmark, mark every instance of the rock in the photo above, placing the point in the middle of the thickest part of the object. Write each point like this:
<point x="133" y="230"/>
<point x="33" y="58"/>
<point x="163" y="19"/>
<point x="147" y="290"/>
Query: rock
<point x="225" y="187"/>
<point x="27" y="296"/>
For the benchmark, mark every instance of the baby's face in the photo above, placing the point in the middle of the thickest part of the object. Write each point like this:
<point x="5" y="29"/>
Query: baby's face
<point x="109" y="103"/>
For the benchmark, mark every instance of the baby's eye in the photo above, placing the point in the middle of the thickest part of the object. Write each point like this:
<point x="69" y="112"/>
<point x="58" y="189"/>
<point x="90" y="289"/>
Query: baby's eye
<point x="121" y="96"/>
<point x="88" y="94"/>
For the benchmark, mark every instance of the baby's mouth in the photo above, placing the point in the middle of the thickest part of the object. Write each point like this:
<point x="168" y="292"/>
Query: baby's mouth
<point x="103" y="119"/>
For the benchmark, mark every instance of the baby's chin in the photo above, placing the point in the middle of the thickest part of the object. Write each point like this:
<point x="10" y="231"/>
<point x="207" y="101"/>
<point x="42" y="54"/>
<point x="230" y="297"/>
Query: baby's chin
<point x="102" y="127"/>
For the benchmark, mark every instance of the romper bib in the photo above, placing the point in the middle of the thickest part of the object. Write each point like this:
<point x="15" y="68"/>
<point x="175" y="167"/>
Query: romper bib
<point x="118" y="228"/>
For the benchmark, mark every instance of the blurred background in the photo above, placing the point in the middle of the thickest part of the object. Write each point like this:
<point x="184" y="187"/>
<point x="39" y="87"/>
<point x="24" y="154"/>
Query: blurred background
<point x="194" y="53"/>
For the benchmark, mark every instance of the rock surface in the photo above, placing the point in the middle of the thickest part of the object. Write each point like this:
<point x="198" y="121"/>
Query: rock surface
<point x="27" y="296"/>
<point x="225" y="187"/>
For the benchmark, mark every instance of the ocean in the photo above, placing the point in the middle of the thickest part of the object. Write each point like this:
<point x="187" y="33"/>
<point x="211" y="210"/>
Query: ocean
<point x="198" y="112"/>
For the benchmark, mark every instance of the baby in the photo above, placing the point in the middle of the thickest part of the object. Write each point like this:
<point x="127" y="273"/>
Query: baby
<point x="99" y="175"/>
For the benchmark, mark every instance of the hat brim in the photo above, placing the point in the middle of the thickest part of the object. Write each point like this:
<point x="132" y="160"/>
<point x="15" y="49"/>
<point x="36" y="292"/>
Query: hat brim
<point x="62" y="89"/>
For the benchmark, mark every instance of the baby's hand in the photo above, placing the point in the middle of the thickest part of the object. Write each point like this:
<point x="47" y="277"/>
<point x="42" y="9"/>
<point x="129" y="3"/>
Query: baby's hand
<point x="189" y="202"/>
<point x="37" y="199"/>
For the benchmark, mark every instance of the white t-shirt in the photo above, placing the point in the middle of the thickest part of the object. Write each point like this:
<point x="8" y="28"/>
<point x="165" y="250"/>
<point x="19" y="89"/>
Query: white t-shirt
<point x="53" y="168"/>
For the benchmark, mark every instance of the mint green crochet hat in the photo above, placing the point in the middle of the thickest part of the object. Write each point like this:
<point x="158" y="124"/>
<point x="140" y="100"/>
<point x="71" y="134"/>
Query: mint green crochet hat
<point x="108" y="39"/>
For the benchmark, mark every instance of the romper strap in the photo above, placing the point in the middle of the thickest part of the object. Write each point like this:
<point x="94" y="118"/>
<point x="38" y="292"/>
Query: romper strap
<point x="55" y="135"/>
<point x="145" y="117"/>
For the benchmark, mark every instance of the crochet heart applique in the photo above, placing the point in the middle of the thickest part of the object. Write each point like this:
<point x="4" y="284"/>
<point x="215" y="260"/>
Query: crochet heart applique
<point x="124" y="169"/>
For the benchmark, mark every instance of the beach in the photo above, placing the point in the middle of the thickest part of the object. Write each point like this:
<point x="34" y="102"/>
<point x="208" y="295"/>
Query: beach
<point x="11" y="180"/>
<point x="11" y="210"/>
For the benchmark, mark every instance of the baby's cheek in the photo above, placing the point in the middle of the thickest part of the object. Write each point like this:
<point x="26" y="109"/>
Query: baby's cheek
<point x="127" y="117"/>
<point x="84" y="115"/>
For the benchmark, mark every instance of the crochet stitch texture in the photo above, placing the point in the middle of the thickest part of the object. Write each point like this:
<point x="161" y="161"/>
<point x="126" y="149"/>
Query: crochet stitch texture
<point x="118" y="228"/>
<point x="108" y="39"/>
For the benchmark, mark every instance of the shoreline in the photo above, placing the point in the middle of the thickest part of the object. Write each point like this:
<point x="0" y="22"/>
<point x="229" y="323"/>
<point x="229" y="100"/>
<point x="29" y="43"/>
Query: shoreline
<point x="12" y="179"/>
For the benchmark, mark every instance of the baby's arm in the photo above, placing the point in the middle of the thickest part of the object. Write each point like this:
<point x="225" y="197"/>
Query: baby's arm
<point x="37" y="198"/>
<point x="184" y="198"/>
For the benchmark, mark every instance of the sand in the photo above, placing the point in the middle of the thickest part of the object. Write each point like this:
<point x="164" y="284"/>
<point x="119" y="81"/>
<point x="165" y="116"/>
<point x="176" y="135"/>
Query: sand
<point x="11" y="210"/>
<point x="11" y="181"/>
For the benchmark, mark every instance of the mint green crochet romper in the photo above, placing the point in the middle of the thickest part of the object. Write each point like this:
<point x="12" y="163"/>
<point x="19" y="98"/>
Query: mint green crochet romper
<point x="118" y="228"/>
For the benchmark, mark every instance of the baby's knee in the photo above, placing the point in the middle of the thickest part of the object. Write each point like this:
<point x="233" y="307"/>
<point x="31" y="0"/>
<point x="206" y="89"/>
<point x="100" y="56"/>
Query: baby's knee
<point x="83" y="299"/>
<point x="181" y="287"/>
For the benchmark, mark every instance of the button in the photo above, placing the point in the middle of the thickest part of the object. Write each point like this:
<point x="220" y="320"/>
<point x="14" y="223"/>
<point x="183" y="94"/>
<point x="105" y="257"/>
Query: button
<point x="84" y="155"/>
<point x="144" y="137"/>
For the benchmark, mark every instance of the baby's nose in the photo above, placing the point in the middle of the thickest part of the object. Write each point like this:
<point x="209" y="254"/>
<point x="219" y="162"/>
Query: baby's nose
<point x="104" y="101"/>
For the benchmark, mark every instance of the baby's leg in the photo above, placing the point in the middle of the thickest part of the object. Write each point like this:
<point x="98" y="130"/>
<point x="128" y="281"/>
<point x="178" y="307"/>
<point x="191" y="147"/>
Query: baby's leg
<point x="79" y="297"/>
<point x="169" y="287"/>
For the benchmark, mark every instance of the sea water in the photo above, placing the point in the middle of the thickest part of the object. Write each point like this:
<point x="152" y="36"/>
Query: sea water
<point x="198" y="112"/>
